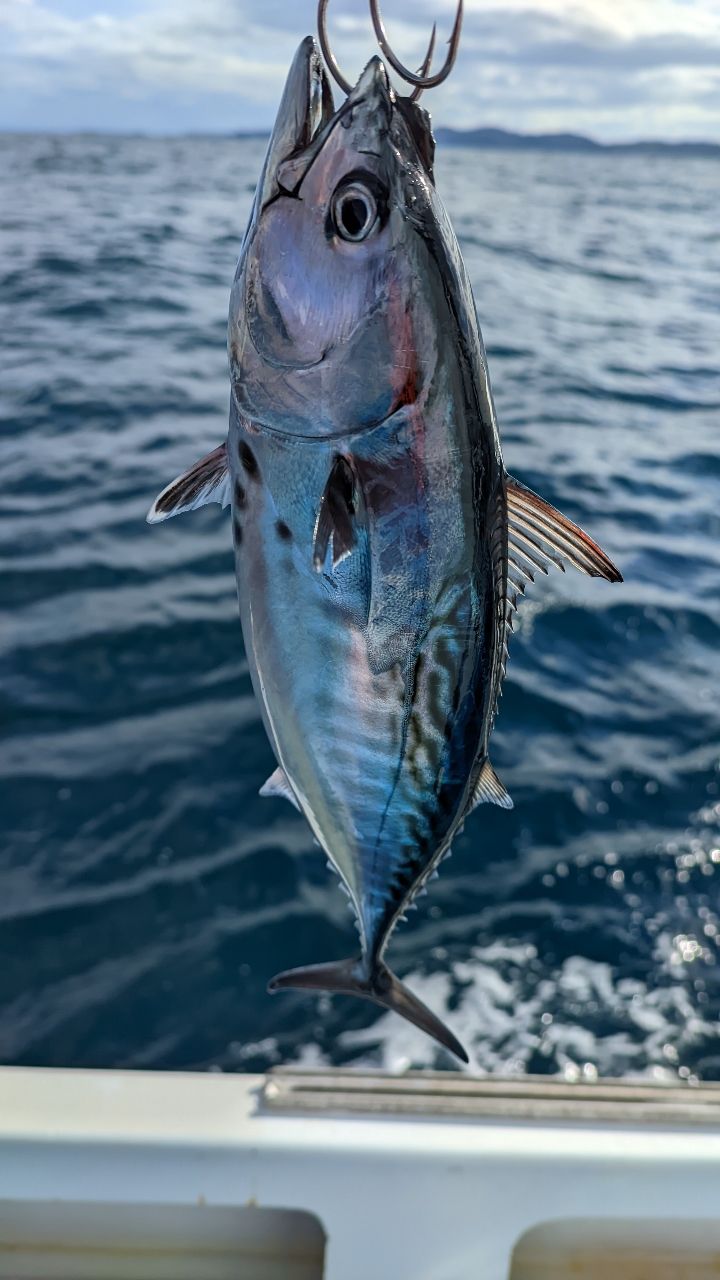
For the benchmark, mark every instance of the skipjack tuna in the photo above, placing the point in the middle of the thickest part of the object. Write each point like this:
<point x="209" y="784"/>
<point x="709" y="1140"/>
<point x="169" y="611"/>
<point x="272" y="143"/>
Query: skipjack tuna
<point x="380" y="544"/>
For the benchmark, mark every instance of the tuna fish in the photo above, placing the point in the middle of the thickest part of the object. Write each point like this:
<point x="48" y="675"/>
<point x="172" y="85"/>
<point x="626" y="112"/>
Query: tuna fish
<point x="380" y="544"/>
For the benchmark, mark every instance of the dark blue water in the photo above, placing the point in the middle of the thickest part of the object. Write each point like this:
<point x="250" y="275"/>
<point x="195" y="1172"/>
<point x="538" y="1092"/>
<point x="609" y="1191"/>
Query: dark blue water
<point x="146" y="892"/>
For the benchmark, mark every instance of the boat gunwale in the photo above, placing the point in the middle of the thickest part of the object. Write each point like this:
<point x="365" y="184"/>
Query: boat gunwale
<point x="520" y="1098"/>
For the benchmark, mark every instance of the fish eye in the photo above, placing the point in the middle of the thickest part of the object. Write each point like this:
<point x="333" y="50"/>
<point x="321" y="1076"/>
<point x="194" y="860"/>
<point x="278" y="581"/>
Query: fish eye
<point x="355" y="212"/>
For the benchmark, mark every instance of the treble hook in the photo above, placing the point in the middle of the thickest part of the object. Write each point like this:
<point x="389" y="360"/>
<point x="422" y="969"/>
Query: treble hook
<point x="419" y="79"/>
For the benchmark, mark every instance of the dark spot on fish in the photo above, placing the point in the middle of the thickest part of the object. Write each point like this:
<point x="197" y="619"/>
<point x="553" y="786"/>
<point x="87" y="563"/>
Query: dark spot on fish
<point x="249" y="461"/>
<point x="240" y="495"/>
<point x="283" y="531"/>
<point x="237" y="532"/>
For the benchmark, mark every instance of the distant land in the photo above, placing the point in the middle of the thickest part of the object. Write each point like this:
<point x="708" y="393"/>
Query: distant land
<point x="489" y="139"/>
<point x="505" y="140"/>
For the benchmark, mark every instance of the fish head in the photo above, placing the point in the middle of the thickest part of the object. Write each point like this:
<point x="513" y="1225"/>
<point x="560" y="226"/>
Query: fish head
<point x="325" y="312"/>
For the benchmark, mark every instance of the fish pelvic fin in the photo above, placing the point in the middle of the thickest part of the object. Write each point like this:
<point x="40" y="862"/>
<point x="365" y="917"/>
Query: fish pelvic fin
<point x="350" y="978"/>
<point x="539" y="535"/>
<point x="207" y="480"/>
<point x="279" y="785"/>
<point x="335" y="523"/>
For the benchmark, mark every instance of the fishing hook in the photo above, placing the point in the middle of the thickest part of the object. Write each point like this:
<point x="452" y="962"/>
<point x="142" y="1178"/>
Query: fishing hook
<point x="327" y="52"/>
<point x="420" y="79"/>
<point x="426" y="64"/>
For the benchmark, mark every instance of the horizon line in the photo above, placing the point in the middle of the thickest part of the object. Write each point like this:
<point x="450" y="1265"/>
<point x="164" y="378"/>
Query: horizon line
<point x="488" y="132"/>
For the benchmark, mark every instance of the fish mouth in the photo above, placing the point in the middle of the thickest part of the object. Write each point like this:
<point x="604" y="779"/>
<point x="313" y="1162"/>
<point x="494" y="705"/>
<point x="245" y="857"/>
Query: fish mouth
<point x="307" y="115"/>
<point x="372" y="91"/>
<point x="306" y="107"/>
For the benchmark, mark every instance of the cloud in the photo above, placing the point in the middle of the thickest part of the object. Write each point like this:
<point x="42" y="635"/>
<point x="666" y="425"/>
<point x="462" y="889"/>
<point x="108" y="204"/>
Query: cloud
<point x="610" y="68"/>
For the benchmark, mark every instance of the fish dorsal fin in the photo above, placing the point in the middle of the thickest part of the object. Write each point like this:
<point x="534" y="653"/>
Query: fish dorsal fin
<point x="336" y="516"/>
<point x="488" y="788"/>
<point x="539" y="535"/>
<point x="206" y="481"/>
<point x="278" y="785"/>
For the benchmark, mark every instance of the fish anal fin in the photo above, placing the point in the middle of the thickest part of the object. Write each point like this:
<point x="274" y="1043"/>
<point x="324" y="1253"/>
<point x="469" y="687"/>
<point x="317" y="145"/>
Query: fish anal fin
<point x="335" y="522"/>
<point x="350" y="977"/>
<point x="489" y="788"/>
<point x="206" y="481"/>
<point x="539" y="535"/>
<point x="278" y="785"/>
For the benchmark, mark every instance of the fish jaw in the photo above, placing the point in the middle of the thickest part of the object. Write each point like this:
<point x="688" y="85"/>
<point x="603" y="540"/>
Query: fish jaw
<point x="305" y="108"/>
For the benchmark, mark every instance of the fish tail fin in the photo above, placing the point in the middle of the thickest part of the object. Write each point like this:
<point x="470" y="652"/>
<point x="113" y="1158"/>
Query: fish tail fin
<point x="351" y="978"/>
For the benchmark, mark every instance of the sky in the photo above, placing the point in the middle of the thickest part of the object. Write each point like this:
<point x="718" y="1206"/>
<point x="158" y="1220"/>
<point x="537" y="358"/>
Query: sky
<point x="614" y="69"/>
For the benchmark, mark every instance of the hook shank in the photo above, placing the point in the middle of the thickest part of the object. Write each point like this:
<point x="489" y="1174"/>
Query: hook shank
<point x="327" y="52"/>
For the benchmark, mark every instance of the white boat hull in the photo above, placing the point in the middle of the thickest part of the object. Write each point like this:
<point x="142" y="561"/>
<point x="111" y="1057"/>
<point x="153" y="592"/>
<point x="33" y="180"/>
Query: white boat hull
<point x="135" y="1176"/>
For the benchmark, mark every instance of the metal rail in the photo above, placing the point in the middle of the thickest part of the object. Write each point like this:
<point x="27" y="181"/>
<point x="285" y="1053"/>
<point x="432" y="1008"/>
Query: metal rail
<point x="527" y="1098"/>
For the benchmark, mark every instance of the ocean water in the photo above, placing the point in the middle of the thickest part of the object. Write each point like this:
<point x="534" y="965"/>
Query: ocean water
<point x="146" y="892"/>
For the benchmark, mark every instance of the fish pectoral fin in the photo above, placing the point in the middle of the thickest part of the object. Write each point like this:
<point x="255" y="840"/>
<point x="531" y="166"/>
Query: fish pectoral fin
<point x="350" y="978"/>
<point x="539" y="535"/>
<point x="336" y="516"/>
<point x="489" y="788"/>
<point x="278" y="785"/>
<point x="207" y="481"/>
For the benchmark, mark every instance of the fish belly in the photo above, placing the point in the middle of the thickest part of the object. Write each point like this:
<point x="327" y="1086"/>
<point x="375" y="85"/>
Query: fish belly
<point x="379" y="753"/>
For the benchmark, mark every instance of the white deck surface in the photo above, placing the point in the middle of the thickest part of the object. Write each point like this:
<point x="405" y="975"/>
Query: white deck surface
<point x="119" y="1175"/>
